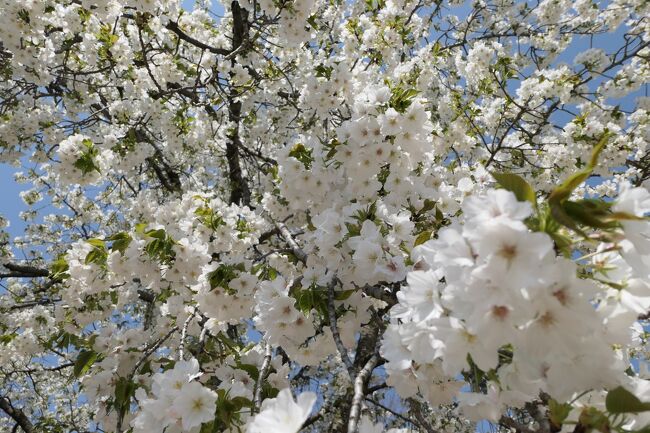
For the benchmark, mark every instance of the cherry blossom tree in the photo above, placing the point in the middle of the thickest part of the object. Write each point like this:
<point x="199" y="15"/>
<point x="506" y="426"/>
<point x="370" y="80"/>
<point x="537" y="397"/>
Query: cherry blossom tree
<point x="326" y="216"/>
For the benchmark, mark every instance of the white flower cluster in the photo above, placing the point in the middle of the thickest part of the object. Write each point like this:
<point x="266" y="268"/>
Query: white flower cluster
<point x="80" y="162"/>
<point x="496" y="296"/>
<point x="282" y="414"/>
<point x="177" y="402"/>
<point x="593" y="59"/>
<point x="277" y="316"/>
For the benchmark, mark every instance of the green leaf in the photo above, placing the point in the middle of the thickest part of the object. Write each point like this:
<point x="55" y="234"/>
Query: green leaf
<point x="161" y="248"/>
<point x="24" y="15"/>
<point x="427" y="206"/>
<point x="586" y="212"/>
<point x="86" y="161"/>
<point x="314" y="298"/>
<point x="96" y="243"/>
<point x="324" y="71"/>
<point x="124" y="390"/>
<point x="268" y="391"/>
<point x="343" y="294"/>
<point x="208" y="427"/>
<point x="401" y="97"/>
<point x="593" y="419"/>
<point x="353" y="229"/>
<point x="560" y="215"/>
<point x="120" y="241"/>
<point x="598" y="149"/>
<point x="563" y="243"/>
<point x="231" y="344"/>
<point x="587" y="215"/>
<point x="302" y="154"/>
<point x="623" y="216"/>
<point x="304" y="300"/>
<point x="209" y="218"/>
<point x="422" y="238"/>
<point x="225" y="408"/>
<point x="558" y="412"/>
<point x="97" y="256"/>
<point x="59" y="269"/>
<point x="563" y="192"/>
<point x="517" y="185"/>
<point x="620" y="400"/>
<point x="84" y="361"/>
<point x="439" y="215"/>
<point x="221" y="276"/>
<point x="158" y="234"/>
<point x="7" y="338"/>
<point x="251" y="369"/>
<point x="240" y="402"/>
<point x="312" y="22"/>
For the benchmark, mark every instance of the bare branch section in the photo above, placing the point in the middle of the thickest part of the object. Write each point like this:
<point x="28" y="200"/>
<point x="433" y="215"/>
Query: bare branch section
<point x="173" y="26"/>
<point x="17" y="415"/>
<point x="331" y="312"/>
<point x="416" y="409"/>
<point x="512" y="424"/>
<point x="145" y="355"/>
<point x="24" y="271"/>
<point x="360" y="384"/>
<point x="382" y="293"/>
<point x="360" y="370"/>
<point x="239" y="190"/>
<point x="295" y="248"/>
<point x="264" y="372"/>
<point x="181" y="345"/>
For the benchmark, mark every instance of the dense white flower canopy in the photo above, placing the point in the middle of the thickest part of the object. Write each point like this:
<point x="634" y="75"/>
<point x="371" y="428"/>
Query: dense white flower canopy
<point x="325" y="216"/>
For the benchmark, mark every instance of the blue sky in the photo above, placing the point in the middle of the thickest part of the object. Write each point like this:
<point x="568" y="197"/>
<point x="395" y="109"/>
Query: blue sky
<point x="10" y="202"/>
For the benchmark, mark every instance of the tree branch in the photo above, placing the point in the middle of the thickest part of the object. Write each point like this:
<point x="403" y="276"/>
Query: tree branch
<point x="173" y="26"/>
<point x="416" y="408"/>
<point x="181" y="345"/>
<point x="511" y="423"/>
<point x="360" y="383"/>
<point x="331" y="313"/>
<point x="295" y="248"/>
<point x="380" y="292"/>
<point x="387" y="409"/>
<point x="264" y="371"/>
<point x="24" y="271"/>
<point x="17" y="415"/>
<point x="239" y="190"/>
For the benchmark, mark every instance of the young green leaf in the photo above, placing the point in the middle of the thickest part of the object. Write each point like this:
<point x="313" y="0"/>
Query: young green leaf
<point x="620" y="400"/>
<point x="517" y="185"/>
<point x="84" y="361"/>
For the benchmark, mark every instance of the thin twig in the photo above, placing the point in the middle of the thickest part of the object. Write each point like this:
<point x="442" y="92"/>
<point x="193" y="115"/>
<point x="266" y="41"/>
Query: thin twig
<point x="387" y="409"/>
<point x="416" y="408"/>
<point x="331" y="313"/>
<point x="181" y="345"/>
